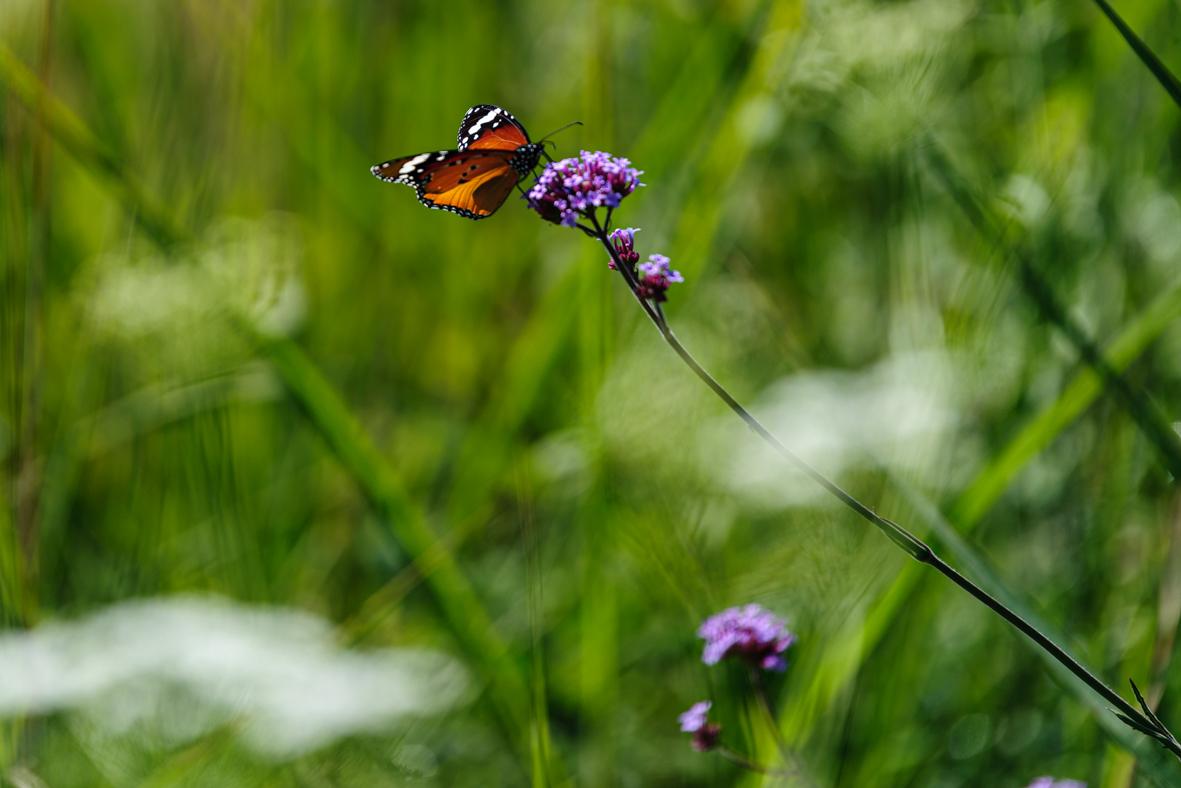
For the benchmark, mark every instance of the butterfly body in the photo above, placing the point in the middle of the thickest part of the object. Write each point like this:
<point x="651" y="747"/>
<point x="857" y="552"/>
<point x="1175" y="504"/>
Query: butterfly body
<point x="493" y="154"/>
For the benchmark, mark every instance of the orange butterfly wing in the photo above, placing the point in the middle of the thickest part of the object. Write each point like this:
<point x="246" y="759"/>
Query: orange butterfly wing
<point x="478" y="184"/>
<point x="506" y="137"/>
<point x="471" y="183"/>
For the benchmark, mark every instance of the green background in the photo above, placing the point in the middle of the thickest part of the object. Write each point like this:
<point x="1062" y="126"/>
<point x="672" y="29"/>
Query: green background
<point x="234" y="363"/>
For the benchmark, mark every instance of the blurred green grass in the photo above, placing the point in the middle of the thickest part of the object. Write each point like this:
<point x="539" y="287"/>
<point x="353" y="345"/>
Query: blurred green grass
<point x="151" y="446"/>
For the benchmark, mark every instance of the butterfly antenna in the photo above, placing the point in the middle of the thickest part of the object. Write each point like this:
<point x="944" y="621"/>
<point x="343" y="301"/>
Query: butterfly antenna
<point x="555" y="131"/>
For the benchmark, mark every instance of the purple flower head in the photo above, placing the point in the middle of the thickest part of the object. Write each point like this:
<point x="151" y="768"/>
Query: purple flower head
<point x="1050" y="782"/>
<point x="624" y="242"/>
<point x="656" y="276"/>
<point x="751" y="633"/>
<point x="575" y="187"/>
<point x="706" y="734"/>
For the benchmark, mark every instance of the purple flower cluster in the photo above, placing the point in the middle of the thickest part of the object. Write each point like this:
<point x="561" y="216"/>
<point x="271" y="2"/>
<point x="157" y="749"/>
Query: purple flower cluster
<point x="1050" y="782"/>
<point x="706" y="734"/>
<point x="751" y="633"/>
<point x="575" y="187"/>
<point x="624" y="242"/>
<point x="655" y="278"/>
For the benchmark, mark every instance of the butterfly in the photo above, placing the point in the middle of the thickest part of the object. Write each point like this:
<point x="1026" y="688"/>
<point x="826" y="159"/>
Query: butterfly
<point x="494" y="153"/>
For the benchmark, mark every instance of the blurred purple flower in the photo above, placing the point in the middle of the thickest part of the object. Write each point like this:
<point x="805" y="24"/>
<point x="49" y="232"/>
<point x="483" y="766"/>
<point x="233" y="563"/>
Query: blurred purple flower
<point x="751" y="633"/>
<point x="695" y="718"/>
<point x="575" y="187"/>
<point x="624" y="242"/>
<point x="1050" y="782"/>
<point x="705" y="733"/>
<point x="656" y="276"/>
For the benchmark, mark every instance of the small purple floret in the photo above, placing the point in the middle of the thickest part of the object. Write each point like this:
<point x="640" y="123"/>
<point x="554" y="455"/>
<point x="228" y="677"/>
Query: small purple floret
<point x="624" y="242"/>
<point x="750" y="633"/>
<point x="706" y="734"/>
<point x="655" y="277"/>
<point x="573" y="188"/>
<point x="1050" y="782"/>
<point x="696" y="717"/>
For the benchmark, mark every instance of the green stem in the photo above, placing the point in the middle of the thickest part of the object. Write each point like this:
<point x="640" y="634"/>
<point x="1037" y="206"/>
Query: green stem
<point x="785" y="752"/>
<point x="737" y="758"/>
<point x="1162" y="73"/>
<point x="1134" y="401"/>
<point x="764" y="704"/>
<point x="73" y="135"/>
<point x="454" y="595"/>
<point x="461" y="608"/>
<point x="912" y="545"/>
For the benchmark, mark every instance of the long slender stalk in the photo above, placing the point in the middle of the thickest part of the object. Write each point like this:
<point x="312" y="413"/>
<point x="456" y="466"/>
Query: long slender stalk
<point x="785" y="751"/>
<point x="1159" y="70"/>
<point x="737" y="758"/>
<point x="1134" y="401"/>
<point x="462" y="609"/>
<point x="764" y="704"/>
<point x="539" y="728"/>
<point x="1144" y="722"/>
<point x="1121" y="351"/>
<point x="77" y="138"/>
<point x="984" y="576"/>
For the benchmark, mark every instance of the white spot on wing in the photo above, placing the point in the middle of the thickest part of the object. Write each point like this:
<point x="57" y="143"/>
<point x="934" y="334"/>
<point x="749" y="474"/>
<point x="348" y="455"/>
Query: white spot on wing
<point x="409" y="166"/>
<point x="475" y="130"/>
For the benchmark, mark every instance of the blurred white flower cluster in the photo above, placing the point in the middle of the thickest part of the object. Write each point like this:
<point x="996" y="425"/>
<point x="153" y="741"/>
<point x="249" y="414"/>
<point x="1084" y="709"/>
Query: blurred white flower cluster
<point x="903" y="413"/>
<point x="176" y="669"/>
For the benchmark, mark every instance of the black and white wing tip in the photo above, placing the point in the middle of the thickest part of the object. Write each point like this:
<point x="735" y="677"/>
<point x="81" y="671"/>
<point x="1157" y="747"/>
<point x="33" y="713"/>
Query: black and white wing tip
<point x="481" y="119"/>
